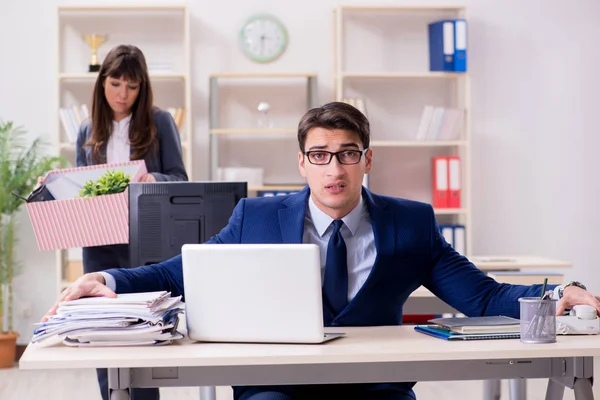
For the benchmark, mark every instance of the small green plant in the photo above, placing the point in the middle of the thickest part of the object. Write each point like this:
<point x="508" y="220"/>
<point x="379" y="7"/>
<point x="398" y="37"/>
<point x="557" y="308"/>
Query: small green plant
<point x="110" y="183"/>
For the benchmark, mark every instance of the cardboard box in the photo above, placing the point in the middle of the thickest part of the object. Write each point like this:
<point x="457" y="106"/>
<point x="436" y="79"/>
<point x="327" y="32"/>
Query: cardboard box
<point x="70" y="222"/>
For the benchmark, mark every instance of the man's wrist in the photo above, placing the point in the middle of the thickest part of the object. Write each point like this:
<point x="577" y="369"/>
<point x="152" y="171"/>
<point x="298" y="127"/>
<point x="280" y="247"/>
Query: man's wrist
<point x="109" y="280"/>
<point x="98" y="276"/>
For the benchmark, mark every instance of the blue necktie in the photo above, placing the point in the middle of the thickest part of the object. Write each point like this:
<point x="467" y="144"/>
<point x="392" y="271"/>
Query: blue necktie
<point x="335" y="283"/>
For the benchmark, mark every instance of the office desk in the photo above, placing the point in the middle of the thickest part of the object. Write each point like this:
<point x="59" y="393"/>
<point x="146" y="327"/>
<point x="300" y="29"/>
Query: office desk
<point x="367" y="354"/>
<point x="515" y="263"/>
<point x="422" y="301"/>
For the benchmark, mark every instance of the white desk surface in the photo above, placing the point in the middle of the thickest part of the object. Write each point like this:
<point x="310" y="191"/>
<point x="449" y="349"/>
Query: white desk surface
<point x="496" y="263"/>
<point x="361" y="345"/>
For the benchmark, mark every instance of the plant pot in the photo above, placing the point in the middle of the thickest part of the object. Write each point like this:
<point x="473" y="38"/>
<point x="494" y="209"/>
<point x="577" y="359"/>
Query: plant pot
<point x="8" y="349"/>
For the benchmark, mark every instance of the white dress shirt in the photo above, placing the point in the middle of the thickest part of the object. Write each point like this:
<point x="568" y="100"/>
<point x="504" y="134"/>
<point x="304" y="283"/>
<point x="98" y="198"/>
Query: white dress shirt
<point x="118" y="147"/>
<point x="357" y="232"/>
<point x="117" y="150"/>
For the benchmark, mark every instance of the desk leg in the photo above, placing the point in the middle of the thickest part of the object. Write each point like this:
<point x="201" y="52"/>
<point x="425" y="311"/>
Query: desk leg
<point x="583" y="389"/>
<point x="208" y="393"/>
<point x="576" y="373"/>
<point x="518" y="389"/>
<point x="118" y="383"/>
<point x="491" y="389"/>
<point x="119" y="394"/>
<point x="555" y="390"/>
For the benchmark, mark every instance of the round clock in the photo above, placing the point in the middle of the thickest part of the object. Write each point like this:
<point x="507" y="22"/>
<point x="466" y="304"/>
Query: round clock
<point x="263" y="38"/>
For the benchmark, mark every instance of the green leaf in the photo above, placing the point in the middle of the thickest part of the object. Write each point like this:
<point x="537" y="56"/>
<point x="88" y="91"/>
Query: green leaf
<point x="110" y="182"/>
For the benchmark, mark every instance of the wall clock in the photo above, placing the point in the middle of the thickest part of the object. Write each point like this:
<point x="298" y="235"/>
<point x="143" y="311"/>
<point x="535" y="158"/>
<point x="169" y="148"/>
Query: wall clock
<point x="263" y="38"/>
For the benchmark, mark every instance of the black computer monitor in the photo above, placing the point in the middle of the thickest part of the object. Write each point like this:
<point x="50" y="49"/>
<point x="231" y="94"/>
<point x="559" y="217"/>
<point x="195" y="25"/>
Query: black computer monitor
<point x="163" y="216"/>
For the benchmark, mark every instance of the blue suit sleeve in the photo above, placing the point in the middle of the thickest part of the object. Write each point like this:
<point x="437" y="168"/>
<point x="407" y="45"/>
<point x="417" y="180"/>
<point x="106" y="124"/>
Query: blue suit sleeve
<point x="168" y="275"/>
<point x="458" y="282"/>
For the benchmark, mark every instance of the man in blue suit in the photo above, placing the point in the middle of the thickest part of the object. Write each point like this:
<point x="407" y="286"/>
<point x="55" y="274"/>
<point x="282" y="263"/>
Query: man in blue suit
<point x="375" y="250"/>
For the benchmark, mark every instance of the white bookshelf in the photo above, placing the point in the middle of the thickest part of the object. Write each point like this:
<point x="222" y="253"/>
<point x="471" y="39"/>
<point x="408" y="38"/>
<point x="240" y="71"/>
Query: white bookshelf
<point x="391" y="74"/>
<point x="91" y="76"/>
<point x="400" y="75"/>
<point x="418" y="143"/>
<point x="167" y="52"/>
<point x="236" y="140"/>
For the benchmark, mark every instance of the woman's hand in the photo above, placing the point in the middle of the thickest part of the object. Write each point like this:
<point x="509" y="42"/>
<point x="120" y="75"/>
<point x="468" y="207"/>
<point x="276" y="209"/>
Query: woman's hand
<point x="148" y="178"/>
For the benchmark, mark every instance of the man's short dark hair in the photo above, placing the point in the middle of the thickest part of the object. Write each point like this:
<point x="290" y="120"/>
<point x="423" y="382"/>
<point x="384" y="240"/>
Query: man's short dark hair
<point x="335" y="115"/>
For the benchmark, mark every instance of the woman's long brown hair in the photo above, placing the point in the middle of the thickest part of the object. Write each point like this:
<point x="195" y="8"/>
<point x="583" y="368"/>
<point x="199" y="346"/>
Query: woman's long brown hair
<point x="126" y="62"/>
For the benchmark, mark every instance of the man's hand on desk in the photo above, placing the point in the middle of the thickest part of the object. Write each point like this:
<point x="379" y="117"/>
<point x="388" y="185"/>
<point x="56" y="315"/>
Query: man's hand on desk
<point x="573" y="295"/>
<point x="89" y="285"/>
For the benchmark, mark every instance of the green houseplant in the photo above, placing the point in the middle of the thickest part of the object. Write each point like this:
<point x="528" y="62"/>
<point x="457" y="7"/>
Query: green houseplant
<point x="21" y="163"/>
<point x="110" y="182"/>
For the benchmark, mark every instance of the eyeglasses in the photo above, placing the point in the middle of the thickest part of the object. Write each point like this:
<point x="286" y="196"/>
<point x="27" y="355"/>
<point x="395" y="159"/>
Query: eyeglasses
<point x="346" y="157"/>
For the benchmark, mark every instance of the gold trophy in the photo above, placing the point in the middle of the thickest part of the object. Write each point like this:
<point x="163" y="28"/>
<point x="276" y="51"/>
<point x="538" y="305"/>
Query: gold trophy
<point x="94" y="41"/>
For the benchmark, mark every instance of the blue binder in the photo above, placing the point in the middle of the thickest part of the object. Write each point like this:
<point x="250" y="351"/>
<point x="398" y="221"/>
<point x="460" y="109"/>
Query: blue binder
<point x="455" y="235"/>
<point x="448" y="45"/>
<point x="460" y="45"/>
<point x="433" y="330"/>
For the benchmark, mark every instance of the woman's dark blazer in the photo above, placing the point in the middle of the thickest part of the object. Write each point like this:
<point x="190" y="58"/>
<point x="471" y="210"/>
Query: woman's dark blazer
<point x="165" y="165"/>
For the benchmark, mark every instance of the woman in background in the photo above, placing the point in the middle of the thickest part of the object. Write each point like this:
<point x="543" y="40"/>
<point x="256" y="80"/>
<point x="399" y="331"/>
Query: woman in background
<point x="125" y="125"/>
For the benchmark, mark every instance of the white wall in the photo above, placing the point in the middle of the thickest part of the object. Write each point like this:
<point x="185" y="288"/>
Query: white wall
<point x="534" y="112"/>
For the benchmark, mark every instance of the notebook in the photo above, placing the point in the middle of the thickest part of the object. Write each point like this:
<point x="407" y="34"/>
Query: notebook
<point x="446" y="334"/>
<point x="490" y="324"/>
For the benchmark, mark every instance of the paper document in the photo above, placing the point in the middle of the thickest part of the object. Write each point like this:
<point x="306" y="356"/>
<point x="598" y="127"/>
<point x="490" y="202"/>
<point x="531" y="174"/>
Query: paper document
<point x="130" y="319"/>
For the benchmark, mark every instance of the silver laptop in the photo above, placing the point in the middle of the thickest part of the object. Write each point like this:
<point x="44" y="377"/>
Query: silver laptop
<point x="261" y="293"/>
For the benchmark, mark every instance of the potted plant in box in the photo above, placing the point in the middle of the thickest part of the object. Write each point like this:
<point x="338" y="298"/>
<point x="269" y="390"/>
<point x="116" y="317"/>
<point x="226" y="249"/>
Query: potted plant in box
<point x="21" y="163"/>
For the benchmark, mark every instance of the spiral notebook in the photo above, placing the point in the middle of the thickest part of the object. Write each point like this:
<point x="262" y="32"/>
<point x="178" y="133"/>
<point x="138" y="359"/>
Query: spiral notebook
<point x="478" y="325"/>
<point x="441" y="333"/>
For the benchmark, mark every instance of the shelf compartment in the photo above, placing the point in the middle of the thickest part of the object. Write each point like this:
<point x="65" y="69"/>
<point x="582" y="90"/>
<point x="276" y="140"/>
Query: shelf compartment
<point x="418" y="143"/>
<point x="275" y="188"/>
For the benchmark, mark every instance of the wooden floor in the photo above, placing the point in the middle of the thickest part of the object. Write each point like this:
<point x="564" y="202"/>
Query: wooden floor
<point x="81" y="384"/>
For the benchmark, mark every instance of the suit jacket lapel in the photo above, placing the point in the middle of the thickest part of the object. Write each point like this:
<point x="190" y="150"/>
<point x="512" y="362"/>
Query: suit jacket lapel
<point x="291" y="218"/>
<point x="384" y="232"/>
<point x="384" y="229"/>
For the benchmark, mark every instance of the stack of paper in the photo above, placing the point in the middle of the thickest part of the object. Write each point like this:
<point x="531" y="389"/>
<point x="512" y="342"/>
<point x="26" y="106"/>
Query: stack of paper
<point x="131" y="319"/>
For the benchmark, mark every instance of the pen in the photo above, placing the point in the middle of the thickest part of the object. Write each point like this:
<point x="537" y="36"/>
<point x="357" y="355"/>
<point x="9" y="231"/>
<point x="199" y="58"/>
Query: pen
<point x="536" y="324"/>
<point x="544" y="288"/>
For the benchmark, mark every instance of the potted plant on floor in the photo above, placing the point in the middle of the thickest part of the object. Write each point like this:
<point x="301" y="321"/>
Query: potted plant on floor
<point x="21" y="163"/>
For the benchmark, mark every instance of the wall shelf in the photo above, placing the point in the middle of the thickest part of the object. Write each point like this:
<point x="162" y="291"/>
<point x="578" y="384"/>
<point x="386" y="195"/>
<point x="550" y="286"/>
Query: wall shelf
<point x="237" y="131"/>
<point x="276" y="188"/>
<point x="217" y="133"/>
<point x="402" y="75"/>
<point x="393" y="81"/>
<point x="91" y="76"/>
<point x="122" y="24"/>
<point x="405" y="8"/>
<point x="250" y="75"/>
<point x="415" y="143"/>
